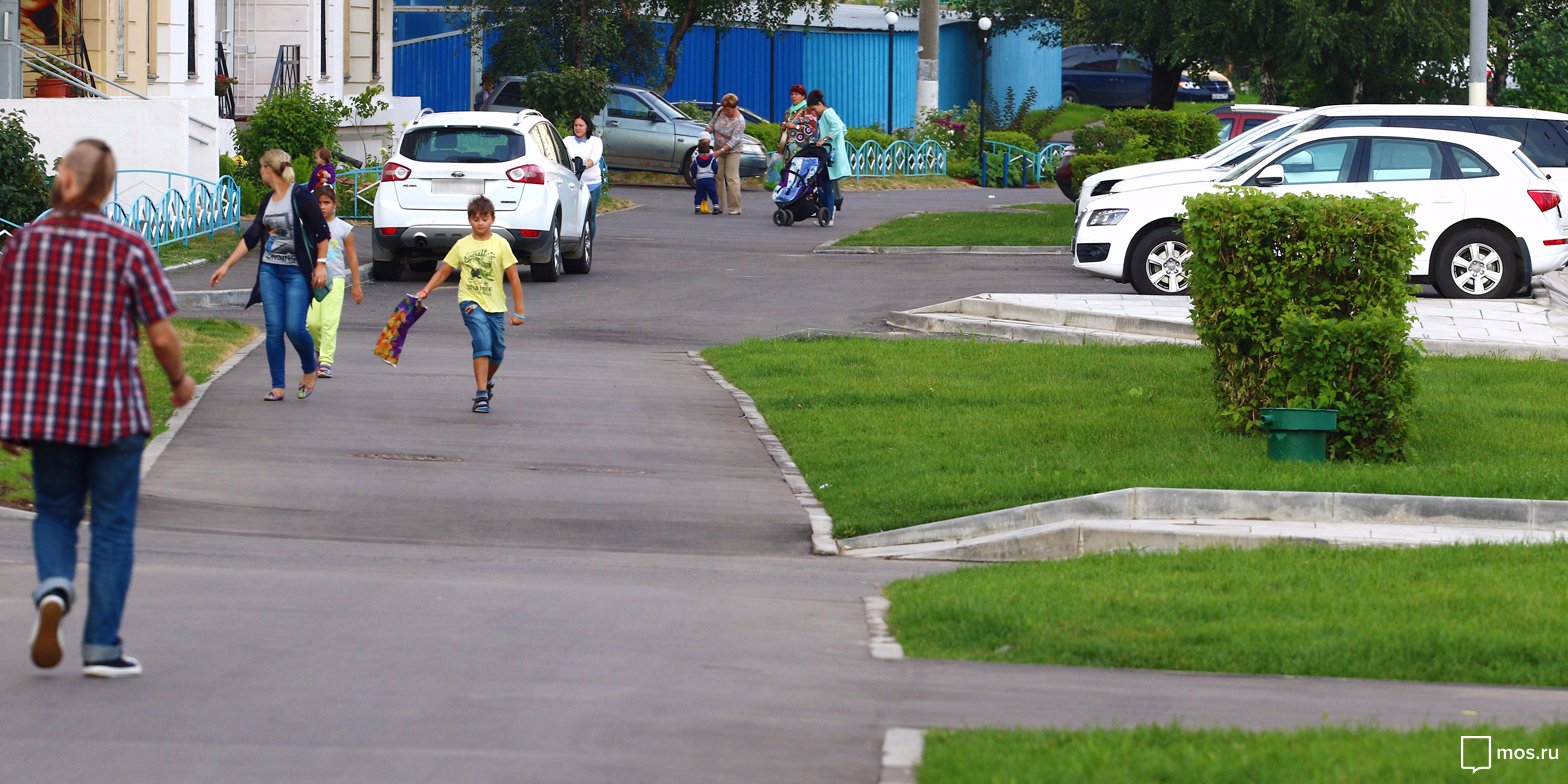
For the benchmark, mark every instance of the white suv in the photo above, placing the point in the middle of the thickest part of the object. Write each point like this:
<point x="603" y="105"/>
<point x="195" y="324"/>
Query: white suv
<point x="445" y="159"/>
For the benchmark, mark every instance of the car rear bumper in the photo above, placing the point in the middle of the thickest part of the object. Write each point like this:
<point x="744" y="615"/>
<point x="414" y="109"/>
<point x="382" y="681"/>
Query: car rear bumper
<point x="434" y="240"/>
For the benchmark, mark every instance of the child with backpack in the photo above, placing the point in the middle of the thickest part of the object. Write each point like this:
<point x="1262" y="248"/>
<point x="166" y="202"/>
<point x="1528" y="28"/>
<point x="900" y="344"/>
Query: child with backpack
<point x="704" y="170"/>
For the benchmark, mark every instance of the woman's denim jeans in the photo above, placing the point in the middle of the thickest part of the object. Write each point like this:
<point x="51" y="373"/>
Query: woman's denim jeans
<point x="285" y="303"/>
<point x="64" y="477"/>
<point x="593" y="209"/>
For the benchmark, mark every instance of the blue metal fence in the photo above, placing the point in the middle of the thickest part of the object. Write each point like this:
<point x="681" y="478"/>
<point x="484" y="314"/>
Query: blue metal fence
<point x="899" y="159"/>
<point x="1031" y="167"/>
<point x="362" y="184"/>
<point x="202" y="208"/>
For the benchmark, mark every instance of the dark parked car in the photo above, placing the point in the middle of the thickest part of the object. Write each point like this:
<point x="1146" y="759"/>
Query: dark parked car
<point x="1105" y="75"/>
<point x="1211" y="87"/>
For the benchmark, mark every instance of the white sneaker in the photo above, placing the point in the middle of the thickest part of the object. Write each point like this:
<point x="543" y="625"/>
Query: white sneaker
<point x="123" y="667"/>
<point x="48" y="641"/>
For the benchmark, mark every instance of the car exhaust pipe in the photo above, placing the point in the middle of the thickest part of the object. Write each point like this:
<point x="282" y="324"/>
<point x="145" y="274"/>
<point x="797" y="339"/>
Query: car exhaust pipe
<point x="420" y="240"/>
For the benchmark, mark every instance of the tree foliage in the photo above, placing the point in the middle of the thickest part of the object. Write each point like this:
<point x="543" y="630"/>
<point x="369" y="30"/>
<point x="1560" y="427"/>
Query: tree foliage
<point x="1543" y="66"/>
<point x="24" y="182"/>
<point x="296" y="121"/>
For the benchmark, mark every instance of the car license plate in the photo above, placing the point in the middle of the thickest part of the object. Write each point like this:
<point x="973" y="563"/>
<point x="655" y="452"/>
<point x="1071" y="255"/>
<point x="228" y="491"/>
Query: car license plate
<point x="457" y="187"/>
<point x="1220" y="96"/>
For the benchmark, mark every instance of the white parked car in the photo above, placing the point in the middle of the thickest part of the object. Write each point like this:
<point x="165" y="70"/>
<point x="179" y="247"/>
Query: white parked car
<point x="445" y="159"/>
<point x="1226" y="154"/>
<point x="1543" y="134"/>
<point x="1491" y="218"/>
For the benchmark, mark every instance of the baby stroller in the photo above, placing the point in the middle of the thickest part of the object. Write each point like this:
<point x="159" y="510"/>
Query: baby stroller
<point x="796" y="195"/>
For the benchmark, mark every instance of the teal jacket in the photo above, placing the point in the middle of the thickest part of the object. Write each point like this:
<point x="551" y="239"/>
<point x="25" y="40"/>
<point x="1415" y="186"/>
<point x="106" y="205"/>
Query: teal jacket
<point x="829" y="125"/>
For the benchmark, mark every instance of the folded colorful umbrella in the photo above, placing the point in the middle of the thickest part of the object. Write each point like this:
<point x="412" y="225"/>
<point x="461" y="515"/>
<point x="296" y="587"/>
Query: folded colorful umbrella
<point x="390" y="345"/>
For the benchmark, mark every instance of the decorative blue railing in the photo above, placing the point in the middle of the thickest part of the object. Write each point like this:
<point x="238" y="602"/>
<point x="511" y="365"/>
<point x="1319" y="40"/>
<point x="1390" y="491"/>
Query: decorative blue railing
<point x="202" y="208"/>
<point x="361" y="183"/>
<point x="899" y="159"/>
<point x="1032" y="167"/>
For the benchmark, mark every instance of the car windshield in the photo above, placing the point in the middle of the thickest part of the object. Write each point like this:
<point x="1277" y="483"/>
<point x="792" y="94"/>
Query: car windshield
<point x="669" y="108"/>
<point x="462" y="145"/>
<point x="1252" y="136"/>
<point x="1244" y="169"/>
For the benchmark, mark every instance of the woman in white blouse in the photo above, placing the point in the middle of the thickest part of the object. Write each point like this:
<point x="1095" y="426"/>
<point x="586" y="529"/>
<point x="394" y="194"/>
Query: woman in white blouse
<point x="583" y="144"/>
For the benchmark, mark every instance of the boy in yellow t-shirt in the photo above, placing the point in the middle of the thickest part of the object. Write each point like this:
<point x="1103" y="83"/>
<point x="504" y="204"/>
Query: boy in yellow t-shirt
<point x="483" y="259"/>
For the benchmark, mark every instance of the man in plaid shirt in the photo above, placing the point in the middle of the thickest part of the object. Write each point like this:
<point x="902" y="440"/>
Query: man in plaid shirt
<point x="73" y="288"/>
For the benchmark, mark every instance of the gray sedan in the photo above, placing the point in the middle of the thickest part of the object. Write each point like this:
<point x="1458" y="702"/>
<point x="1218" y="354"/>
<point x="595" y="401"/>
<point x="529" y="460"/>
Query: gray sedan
<point x="642" y="131"/>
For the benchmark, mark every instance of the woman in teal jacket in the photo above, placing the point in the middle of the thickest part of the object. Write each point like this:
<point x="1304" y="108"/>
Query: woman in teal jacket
<point x="831" y="132"/>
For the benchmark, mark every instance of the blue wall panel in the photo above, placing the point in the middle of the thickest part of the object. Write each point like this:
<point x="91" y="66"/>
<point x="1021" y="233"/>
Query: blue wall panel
<point x="744" y="65"/>
<point x="439" y="71"/>
<point x="851" y="70"/>
<point x="1016" y="61"/>
<point x="958" y="66"/>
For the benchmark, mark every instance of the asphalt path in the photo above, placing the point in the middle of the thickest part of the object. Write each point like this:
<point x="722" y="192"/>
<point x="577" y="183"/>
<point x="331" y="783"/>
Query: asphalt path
<point x="604" y="580"/>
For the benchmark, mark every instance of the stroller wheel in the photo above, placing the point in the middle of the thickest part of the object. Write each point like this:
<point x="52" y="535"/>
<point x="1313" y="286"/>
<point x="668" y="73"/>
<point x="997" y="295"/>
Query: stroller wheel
<point x="780" y="218"/>
<point x="823" y="217"/>
<point x="789" y="218"/>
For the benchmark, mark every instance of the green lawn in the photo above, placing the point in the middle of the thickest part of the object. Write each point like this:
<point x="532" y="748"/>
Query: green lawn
<point x="207" y="343"/>
<point x="215" y="249"/>
<point x="1172" y="754"/>
<point x="1476" y="613"/>
<point x="1053" y="227"/>
<point x="895" y="433"/>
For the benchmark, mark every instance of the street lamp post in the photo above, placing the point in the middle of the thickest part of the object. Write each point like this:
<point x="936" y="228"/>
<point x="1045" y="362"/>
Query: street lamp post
<point x="892" y="19"/>
<point x="985" y="53"/>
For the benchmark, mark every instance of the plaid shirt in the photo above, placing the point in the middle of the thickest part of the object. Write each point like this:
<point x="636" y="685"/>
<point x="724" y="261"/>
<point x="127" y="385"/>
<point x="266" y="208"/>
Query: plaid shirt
<point x="73" y="289"/>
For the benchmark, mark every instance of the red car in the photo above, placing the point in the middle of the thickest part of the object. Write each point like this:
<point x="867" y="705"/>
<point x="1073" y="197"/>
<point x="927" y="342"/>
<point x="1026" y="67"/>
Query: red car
<point x="1235" y="119"/>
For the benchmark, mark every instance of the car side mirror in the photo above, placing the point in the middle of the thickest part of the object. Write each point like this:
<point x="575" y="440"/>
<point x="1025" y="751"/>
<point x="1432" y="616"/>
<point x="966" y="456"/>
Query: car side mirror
<point x="1273" y="174"/>
<point x="577" y="166"/>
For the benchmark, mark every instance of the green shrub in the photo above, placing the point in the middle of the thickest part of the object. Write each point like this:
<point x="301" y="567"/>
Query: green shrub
<point x="953" y="128"/>
<point x="1103" y="138"/>
<point x="767" y="133"/>
<point x="1542" y="67"/>
<point x="1036" y="123"/>
<point x="252" y="191"/>
<point x="963" y="168"/>
<point x="296" y="121"/>
<point x="1170" y="134"/>
<point x="859" y="136"/>
<point x="1302" y="300"/>
<point x="1087" y="164"/>
<point x="692" y="110"/>
<point x="24" y="182"/>
<point x="1015" y="138"/>
<point x="1359" y="366"/>
<point x="566" y="93"/>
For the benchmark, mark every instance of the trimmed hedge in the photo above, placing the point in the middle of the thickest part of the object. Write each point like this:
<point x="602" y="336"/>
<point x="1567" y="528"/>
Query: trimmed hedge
<point x="1131" y="136"/>
<point x="1302" y="300"/>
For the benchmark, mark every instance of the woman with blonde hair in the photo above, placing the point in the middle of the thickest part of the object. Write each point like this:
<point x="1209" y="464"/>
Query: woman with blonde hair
<point x="727" y="127"/>
<point x="74" y="288"/>
<point x="293" y="262"/>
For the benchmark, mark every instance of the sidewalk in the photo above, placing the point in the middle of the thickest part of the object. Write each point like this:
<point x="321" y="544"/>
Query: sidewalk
<point x="1519" y="328"/>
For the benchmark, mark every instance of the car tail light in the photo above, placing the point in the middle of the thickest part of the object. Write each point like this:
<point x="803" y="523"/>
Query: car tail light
<point x="1556" y="242"/>
<point x="528" y="174"/>
<point x="1545" y="199"/>
<point x="395" y="172"/>
<point x="529" y="233"/>
<point x="387" y="231"/>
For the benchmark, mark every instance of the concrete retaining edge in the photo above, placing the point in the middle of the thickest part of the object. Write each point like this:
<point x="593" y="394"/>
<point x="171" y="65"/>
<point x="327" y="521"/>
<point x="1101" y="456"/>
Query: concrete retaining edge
<point x="219" y="298"/>
<point x="902" y="751"/>
<point x="822" y="541"/>
<point x="944" y="250"/>
<point x="1155" y="503"/>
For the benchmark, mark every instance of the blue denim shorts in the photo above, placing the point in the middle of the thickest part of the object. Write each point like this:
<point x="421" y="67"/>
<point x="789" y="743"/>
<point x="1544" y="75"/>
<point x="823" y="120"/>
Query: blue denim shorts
<point x="488" y="330"/>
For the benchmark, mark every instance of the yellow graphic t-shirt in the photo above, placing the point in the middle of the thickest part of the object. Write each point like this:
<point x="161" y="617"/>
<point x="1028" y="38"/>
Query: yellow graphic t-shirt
<point x="483" y="266"/>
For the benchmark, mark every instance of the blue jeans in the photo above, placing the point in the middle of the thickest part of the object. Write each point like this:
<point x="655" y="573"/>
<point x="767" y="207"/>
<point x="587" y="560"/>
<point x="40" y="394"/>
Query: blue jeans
<point x="64" y="476"/>
<point x="831" y="194"/>
<point x="488" y="330"/>
<point x="285" y="303"/>
<point x="706" y="189"/>
<point x="593" y="209"/>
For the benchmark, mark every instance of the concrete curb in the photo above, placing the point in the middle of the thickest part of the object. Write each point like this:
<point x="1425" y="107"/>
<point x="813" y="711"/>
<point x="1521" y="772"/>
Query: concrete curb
<point x="902" y="751"/>
<point x="822" y="542"/>
<point x="943" y="250"/>
<point x="186" y="265"/>
<point x="883" y="645"/>
<point x="212" y="299"/>
<point x="627" y="208"/>
<point x="1255" y="506"/>
<point x="1011" y="321"/>
<point x="155" y="447"/>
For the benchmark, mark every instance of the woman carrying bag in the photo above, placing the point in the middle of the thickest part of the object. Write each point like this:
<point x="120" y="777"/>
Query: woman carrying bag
<point x="293" y="262"/>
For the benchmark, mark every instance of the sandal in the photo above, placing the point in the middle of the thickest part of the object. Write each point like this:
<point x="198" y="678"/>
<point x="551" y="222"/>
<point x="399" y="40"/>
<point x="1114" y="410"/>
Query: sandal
<point x="304" y="391"/>
<point x="324" y="370"/>
<point x="273" y="397"/>
<point x="482" y="403"/>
